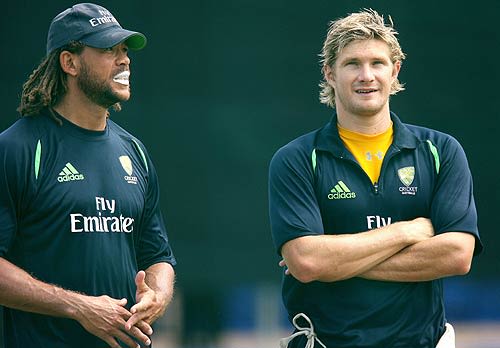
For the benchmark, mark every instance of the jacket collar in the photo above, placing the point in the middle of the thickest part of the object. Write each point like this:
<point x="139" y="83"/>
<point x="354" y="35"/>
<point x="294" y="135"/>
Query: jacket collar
<point x="328" y="138"/>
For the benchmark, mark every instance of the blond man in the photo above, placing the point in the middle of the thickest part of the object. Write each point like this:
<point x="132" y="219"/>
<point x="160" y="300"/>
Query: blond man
<point x="368" y="213"/>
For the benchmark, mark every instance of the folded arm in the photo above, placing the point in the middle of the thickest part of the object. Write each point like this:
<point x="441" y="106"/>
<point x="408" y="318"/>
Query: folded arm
<point x="336" y="257"/>
<point x="443" y="255"/>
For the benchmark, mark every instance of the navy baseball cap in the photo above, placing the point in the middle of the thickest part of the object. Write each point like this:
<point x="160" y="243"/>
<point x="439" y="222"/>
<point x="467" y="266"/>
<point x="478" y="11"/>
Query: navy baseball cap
<point x="93" y="26"/>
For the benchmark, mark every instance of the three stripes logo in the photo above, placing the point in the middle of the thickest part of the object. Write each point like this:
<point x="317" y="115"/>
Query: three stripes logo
<point x="69" y="173"/>
<point x="341" y="191"/>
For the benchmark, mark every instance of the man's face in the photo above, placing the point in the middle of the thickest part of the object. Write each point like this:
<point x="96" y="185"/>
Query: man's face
<point x="104" y="75"/>
<point x="362" y="77"/>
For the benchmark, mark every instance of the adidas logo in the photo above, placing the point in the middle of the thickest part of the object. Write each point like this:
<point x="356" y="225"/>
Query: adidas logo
<point x="341" y="191"/>
<point x="69" y="173"/>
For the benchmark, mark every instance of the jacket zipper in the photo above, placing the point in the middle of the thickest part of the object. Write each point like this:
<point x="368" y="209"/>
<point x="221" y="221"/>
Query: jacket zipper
<point x="390" y="154"/>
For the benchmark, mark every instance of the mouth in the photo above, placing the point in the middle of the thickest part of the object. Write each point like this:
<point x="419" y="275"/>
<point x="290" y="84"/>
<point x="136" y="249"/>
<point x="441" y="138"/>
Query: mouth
<point x="122" y="78"/>
<point x="366" y="91"/>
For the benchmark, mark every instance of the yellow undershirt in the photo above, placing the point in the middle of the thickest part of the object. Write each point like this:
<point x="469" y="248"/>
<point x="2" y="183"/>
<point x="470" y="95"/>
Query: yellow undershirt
<point x="369" y="150"/>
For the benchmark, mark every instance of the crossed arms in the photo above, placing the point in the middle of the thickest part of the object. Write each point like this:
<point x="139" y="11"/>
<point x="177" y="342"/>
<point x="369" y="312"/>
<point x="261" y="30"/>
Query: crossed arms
<point x="404" y="251"/>
<point x="102" y="316"/>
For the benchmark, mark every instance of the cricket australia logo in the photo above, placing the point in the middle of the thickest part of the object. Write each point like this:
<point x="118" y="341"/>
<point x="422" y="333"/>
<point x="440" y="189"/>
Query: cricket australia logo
<point x="341" y="191"/>
<point x="406" y="176"/>
<point x="127" y="167"/>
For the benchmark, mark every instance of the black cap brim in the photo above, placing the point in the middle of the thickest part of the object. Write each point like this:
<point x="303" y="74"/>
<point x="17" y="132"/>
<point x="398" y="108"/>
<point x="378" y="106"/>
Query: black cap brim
<point x="113" y="36"/>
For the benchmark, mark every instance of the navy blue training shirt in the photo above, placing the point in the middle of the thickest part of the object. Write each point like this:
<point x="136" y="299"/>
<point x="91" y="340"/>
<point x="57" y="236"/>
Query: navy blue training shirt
<point x="317" y="187"/>
<point x="79" y="209"/>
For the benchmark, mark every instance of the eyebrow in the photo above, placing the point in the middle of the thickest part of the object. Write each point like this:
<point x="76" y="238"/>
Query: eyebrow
<point x="357" y="59"/>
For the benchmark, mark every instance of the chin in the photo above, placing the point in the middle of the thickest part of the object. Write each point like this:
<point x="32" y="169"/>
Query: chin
<point x="368" y="109"/>
<point x="122" y="96"/>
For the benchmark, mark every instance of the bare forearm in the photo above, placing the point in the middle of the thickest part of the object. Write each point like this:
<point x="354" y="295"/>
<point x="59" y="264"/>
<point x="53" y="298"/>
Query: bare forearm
<point x="161" y="278"/>
<point x="102" y="316"/>
<point x="21" y="291"/>
<point x="354" y="254"/>
<point x="336" y="257"/>
<point x="443" y="255"/>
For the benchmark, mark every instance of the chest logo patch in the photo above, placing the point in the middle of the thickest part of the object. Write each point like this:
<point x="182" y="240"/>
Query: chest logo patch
<point x="341" y="191"/>
<point x="69" y="173"/>
<point x="127" y="167"/>
<point x="406" y="176"/>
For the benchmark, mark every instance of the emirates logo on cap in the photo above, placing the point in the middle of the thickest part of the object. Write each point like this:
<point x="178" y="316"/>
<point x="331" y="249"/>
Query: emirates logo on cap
<point x="106" y="17"/>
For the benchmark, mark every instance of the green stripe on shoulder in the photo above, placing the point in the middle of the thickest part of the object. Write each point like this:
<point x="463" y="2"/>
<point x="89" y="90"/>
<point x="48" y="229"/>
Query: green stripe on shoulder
<point x="435" y="153"/>
<point x="38" y="157"/>
<point x="141" y="153"/>
<point x="313" y="160"/>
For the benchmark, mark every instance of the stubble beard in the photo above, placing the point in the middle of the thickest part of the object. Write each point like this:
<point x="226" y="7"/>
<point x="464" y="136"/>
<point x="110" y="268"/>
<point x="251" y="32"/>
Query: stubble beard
<point x="98" y="90"/>
<point x="360" y="108"/>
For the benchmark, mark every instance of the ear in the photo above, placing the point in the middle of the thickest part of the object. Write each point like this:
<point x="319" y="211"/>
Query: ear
<point x="329" y="75"/>
<point x="395" y="70"/>
<point x="69" y="62"/>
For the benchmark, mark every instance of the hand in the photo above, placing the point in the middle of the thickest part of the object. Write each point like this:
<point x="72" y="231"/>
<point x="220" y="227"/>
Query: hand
<point x="105" y="317"/>
<point x="419" y="229"/>
<point x="282" y="263"/>
<point x="148" y="307"/>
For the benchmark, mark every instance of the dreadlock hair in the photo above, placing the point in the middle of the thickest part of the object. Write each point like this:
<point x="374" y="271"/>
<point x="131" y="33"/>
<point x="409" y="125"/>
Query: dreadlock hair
<point x="47" y="84"/>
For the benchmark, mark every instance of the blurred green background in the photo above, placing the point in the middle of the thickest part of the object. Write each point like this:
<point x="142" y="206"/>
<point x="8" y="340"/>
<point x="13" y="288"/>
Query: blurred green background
<point x="223" y="84"/>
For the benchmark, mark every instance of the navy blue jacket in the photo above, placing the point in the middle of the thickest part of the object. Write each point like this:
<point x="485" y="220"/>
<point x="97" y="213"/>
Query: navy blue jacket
<point x="317" y="187"/>
<point x="79" y="209"/>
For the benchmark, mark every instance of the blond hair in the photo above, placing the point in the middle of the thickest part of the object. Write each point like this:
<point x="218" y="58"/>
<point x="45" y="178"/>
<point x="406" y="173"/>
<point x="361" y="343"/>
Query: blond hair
<point x="364" y="25"/>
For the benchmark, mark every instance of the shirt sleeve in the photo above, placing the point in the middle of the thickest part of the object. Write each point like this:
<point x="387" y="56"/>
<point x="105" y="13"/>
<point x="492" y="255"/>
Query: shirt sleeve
<point x="453" y="208"/>
<point x="8" y="200"/>
<point x="293" y="208"/>
<point x="153" y="245"/>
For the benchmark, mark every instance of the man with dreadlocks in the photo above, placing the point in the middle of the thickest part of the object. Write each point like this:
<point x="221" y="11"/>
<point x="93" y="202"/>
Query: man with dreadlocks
<point x="369" y="213"/>
<point x="84" y="255"/>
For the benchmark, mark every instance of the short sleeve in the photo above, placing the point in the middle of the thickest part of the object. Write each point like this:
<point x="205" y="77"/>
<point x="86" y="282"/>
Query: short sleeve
<point x="293" y="208"/>
<point x="153" y="246"/>
<point x="8" y="205"/>
<point x="453" y="208"/>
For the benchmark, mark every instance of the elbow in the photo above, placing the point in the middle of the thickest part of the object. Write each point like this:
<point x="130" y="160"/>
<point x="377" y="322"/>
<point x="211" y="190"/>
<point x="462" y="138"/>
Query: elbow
<point x="462" y="261"/>
<point x="304" y="262"/>
<point x="460" y="253"/>
<point x="303" y="270"/>
<point x="462" y="265"/>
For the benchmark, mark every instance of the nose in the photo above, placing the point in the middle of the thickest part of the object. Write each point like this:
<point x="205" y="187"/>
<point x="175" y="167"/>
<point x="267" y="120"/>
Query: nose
<point x="122" y="57"/>
<point x="366" y="73"/>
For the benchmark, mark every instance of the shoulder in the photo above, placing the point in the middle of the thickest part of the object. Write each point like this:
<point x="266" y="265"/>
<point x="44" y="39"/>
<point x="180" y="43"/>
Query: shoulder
<point x="133" y="142"/>
<point x="124" y="135"/>
<point x="23" y="132"/>
<point x="443" y="142"/>
<point x="119" y="130"/>
<point x="298" y="149"/>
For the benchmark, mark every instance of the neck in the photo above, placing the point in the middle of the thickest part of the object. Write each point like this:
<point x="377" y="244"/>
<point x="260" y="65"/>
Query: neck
<point x="78" y="109"/>
<point x="370" y="124"/>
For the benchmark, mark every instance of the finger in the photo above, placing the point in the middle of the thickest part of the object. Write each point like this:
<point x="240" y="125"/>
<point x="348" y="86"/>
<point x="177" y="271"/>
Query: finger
<point x="144" y="327"/>
<point x="134" y="319"/>
<point x="287" y="271"/>
<point x="140" y="281"/>
<point x="138" y="334"/>
<point x="282" y="263"/>
<point x="122" y="302"/>
<point x="126" y="339"/>
<point x="110" y="341"/>
<point x="139" y="307"/>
